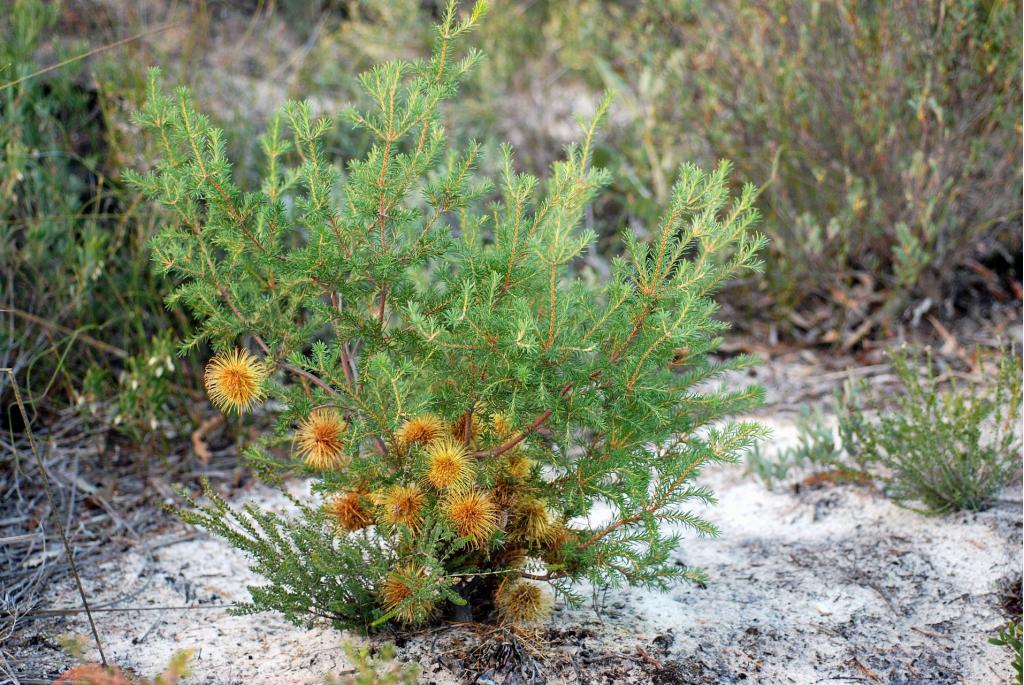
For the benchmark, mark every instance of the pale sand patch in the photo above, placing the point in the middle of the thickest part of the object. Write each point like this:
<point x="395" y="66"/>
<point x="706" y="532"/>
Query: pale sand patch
<point x="817" y="586"/>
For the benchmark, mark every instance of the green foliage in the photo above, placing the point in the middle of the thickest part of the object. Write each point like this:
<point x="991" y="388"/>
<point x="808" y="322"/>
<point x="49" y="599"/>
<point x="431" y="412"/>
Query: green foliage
<point x="937" y="449"/>
<point x="456" y="385"/>
<point x="379" y="669"/>
<point x="147" y="397"/>
<point x="75" y="287"/>
<point x="374" y="31"/>
<point x="816" y="448"/>
<point x="1010" y="636"/>
<point x="324" y="580"/>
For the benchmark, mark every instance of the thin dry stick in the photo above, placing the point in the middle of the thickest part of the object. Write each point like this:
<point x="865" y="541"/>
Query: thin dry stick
<point x="87" y="339"/>
<point x="47" y="613"/>
<point x="90" y="53"/>
<point x="54" y="513"/>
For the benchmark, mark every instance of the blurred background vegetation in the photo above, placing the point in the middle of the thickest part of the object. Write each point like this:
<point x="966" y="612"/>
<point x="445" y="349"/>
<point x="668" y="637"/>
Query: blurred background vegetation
<point x="886" y="138"/>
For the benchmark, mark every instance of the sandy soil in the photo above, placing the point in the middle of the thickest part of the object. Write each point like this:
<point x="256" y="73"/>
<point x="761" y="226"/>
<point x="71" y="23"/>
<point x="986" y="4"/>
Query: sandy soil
<point x="807" y="585"/>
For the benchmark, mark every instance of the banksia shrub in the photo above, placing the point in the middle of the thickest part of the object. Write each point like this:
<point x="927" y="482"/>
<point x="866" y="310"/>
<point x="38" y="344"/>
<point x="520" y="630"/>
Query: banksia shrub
<point x="467" y="395"/>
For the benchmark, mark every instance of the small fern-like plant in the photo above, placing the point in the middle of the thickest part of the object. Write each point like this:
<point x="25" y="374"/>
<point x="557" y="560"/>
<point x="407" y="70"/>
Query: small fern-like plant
<point x="816" y="448"/>
<point x="479" y="411"/>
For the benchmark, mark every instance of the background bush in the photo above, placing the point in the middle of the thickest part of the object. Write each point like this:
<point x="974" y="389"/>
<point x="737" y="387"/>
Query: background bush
<point x="81" y="310"/>
<point x="885" y="136"/>
<point x="885" y="133"/>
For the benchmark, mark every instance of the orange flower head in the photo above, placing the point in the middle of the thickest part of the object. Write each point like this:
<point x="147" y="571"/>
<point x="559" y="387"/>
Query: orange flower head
<point x="518" y="466"/>
<point x="398" y="590"/>
<point x="349" y="512"/>
<point x="449" y="466"/>
<point x="501" y="425"/>
<point x="519" y="601"/>
<point x="474" y="515"/>
<point x="419" y="430"/>
<point x="402" y="505"/>
<point x="320" y="439"/>
<point x="234" y="380"/>
<point x="531" y="521"/>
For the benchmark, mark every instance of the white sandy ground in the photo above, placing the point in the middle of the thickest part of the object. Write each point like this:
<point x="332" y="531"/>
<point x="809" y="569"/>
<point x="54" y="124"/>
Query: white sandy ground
<point x="826" y="585"/>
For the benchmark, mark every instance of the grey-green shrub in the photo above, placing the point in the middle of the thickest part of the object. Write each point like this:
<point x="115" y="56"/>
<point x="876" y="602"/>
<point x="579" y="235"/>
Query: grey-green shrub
<point x="936" y="450"/>
<point x="886" y="134"/>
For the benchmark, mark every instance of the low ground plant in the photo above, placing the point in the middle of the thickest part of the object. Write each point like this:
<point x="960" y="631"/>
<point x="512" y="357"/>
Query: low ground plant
<point x="376" y="669"/>
<point x="817" y="448"/>
<point x="484" y="420"/>
<point x="937" y="447"/>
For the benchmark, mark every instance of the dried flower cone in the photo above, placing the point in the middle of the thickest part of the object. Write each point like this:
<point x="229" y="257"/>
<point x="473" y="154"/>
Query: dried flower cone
<point x="349" y="511"/>
<point x="504" y="493"/>
<point x="234" y="381"/>
<point x="520" y="602"/>
<point x="320" y="439"/>
<point x="531" y="521"/>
